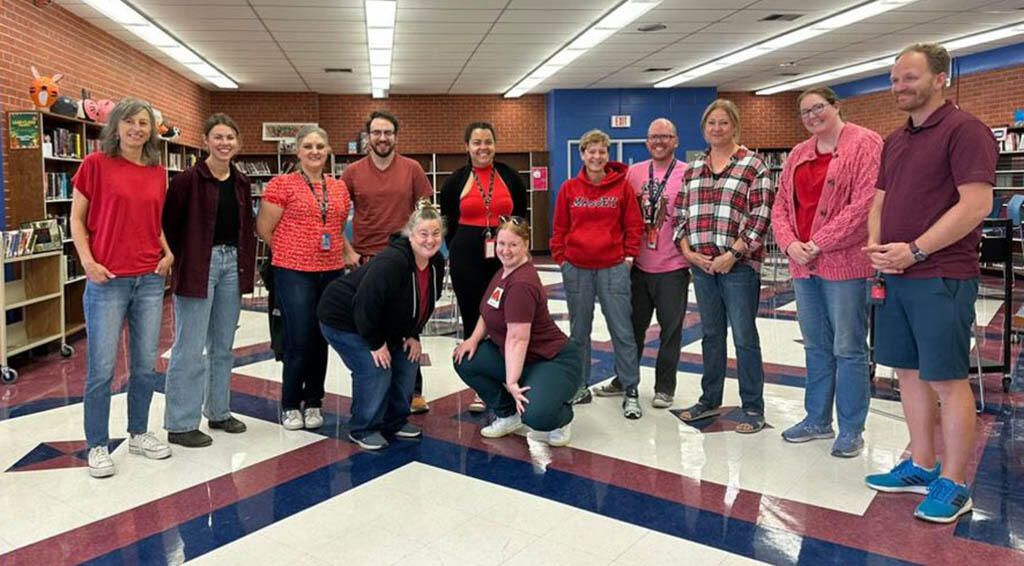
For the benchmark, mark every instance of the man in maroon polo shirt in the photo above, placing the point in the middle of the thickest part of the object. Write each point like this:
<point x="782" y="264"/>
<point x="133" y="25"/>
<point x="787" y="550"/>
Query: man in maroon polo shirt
<point x="934" y="189"/>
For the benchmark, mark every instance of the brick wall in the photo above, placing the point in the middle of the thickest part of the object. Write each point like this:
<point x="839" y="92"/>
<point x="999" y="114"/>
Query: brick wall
<point x="428" y="123"/>
<point x="767" y="121"/>
<point x="55" y="40"/>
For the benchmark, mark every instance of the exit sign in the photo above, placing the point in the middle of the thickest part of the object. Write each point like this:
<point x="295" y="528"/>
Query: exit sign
<point x="620" y="121"/>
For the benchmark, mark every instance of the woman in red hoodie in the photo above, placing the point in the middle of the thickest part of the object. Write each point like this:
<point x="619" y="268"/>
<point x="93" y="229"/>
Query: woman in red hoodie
<point x="594" y="238"/>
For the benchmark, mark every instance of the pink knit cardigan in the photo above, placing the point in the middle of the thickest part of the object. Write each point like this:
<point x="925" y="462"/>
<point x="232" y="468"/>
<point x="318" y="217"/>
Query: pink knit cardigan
<point x="840" y="226"/>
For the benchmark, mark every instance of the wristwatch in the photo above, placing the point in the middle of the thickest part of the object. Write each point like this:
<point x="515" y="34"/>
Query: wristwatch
<point x="919" y="254"/>
<point x="736" y="253"/>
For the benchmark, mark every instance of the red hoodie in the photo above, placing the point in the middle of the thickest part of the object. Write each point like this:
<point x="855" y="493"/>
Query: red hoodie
<point x="596" y="225"/>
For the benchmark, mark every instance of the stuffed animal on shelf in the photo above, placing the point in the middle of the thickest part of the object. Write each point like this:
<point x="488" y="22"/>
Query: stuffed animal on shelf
<point x="43" y="90"/>
<point x="103" y="108"/>
<point x="87" y="108"/>
<point x="65" y="106"/>
<point x="171" y="134"/>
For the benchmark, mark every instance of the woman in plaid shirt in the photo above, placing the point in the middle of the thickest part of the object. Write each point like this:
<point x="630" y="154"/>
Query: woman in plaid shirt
<point x="722" y="217"/>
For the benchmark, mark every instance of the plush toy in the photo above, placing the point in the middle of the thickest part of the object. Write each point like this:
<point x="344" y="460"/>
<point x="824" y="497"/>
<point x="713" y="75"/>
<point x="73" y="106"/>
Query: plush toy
<point x="65" y="106"/>
<point x="43" y="90"/>
<point x="87" y="109"/>
<point x="171" y="134"/>
<point x="103" y="108"/>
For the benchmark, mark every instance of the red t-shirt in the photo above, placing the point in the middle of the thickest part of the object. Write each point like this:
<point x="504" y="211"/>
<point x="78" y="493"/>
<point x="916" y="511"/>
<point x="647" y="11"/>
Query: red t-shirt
<point x="520" y="297"/>
<point x="125" y="203"/>
<point x="383" y="200"/>
<point x="471" y="203"/>
<point x="297" y="237"/>
<point x="421" y="285"/>
<point x="809" y="180"/>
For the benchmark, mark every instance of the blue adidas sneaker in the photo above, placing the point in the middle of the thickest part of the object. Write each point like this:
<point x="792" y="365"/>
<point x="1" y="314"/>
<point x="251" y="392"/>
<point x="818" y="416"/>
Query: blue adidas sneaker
<point x="906" y="477"/>
<point x="946" y="501"/>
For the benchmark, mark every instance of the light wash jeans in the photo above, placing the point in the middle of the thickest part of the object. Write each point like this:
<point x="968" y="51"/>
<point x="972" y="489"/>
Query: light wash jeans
<point x="198" y="383"/>
<point x="833" y="318"/>
<point x="140" y="299"/>
<point x="610" y="286"/>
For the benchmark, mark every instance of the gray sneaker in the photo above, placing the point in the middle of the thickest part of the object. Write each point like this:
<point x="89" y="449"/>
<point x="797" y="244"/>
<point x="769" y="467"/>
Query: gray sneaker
<point x="847" y="445"/>
<point x="610" y="389"/>
<point x="662" y="401"/>
<point x="805" y="430"/>
<point x="631" y="406"/>
<point x="582" y="396"/>
<point x="409" y="430"/>
<point x="372" y="441"/>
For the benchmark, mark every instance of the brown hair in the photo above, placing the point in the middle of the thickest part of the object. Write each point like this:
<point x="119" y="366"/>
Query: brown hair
<point x="594" y="136"/>
<point x="935" y="54"/>
<point x="823" y="91"/>
<point x="518" y="226"/>
<point x="219" y="119"/>
<point x="110" y="142"/>
<point x="729" y="108"/>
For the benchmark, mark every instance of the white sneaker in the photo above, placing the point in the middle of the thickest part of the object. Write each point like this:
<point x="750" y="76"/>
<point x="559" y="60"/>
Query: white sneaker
<point x="148" y="445"/>
<point x="314" y="418"/>
<point x="100" y="464"/>
<point x="502" y="426"/>
<point x="560" y="436"/>
<point x="293" y="420"/>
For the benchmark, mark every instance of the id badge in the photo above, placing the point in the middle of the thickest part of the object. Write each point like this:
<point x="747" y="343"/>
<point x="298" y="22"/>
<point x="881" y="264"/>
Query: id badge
<point x="488" y="248"/>
<point x="494" y="300"/>
<point x="876" y="290"/>
<point x="652" y="238"/>
<point x="325" y="241"/>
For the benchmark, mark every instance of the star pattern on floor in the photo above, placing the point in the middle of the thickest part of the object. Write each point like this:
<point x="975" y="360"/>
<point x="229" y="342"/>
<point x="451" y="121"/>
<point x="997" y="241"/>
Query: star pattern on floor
<point x="58" y="454"/>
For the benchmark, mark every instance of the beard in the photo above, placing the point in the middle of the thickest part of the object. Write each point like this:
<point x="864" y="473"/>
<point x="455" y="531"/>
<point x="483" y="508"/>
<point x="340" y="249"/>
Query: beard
<point x="390" y="149"/>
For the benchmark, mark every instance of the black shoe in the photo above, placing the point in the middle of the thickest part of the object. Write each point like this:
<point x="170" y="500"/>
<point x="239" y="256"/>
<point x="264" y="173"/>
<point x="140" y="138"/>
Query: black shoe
<point x="582" y="396"/>
<point x="190" y="439"/>
<point x="229" y="425"/>
<point x="631" y="405"/>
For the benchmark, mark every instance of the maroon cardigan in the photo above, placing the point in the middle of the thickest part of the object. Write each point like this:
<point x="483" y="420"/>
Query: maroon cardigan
<point x="190" y="212"/>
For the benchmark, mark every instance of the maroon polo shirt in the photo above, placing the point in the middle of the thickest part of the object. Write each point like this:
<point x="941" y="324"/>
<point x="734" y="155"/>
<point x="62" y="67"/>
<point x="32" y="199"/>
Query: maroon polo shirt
<point x="920" y="172"/>
<point x="520" y="297"/>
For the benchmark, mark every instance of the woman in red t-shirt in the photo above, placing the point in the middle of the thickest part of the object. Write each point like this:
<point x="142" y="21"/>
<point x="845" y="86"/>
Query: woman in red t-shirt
<point x="820" y="219"/>
<point x="115" y="225"/>
<point x="517" y="360"/>
<point x="302" y="217"/>
<point x="472" y="199"/>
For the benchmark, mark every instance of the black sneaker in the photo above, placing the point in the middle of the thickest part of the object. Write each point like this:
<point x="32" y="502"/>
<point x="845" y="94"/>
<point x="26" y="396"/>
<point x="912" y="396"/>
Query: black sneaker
<point x="189" y="439"/>
<point x="230" y="425"/>
<point x="631" y="405"/>
<point x="582" y="396"/>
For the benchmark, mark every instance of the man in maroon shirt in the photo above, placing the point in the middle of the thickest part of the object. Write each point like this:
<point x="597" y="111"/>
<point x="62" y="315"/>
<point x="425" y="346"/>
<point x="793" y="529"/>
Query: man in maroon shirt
<point x="384" y="187"/>
<point x="934" y="189"/>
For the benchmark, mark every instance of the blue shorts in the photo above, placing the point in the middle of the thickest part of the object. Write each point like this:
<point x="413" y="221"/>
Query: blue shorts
<point x="925" y="324"/>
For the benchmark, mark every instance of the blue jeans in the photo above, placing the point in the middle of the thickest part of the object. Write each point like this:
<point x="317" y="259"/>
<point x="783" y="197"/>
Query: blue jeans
<point x="140" y="299"/>
<point x="833" y="318"/>
<point x="380" y="396"/>
<point x="305" y="351"/>
<point x="610" y="286"/>
<point x="198" y="384"/>
<point x="730" y="297"/>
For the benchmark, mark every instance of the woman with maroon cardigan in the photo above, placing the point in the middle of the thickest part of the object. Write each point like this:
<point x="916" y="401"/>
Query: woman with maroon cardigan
<point x="208" y="221"/>
<point x="820" y="220"/>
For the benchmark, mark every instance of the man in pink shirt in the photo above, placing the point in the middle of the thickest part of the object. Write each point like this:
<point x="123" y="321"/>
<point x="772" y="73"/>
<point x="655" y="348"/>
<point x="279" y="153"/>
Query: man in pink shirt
<point x="660" y="277"/>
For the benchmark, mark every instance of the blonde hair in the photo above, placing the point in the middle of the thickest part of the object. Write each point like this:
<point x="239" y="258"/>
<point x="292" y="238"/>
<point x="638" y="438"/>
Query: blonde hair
<point x="518" y="226"/>
<point x="594" y="136"/>
<point x="424" y="211"/>
<point x="730" y="110"/>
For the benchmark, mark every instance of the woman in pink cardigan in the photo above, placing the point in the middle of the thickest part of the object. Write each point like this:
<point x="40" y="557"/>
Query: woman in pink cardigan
<point x="820" y="220"/>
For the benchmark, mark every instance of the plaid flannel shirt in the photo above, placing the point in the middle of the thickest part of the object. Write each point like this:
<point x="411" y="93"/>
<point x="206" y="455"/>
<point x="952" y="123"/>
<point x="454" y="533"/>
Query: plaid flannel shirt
<point x="711" y="213"/>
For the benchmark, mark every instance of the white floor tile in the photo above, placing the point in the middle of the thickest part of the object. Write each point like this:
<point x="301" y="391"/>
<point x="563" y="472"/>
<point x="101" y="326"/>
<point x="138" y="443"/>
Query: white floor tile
<point x="484" y="541"/>
<point x="655" y="549"/>
<point x="552" y="553"/>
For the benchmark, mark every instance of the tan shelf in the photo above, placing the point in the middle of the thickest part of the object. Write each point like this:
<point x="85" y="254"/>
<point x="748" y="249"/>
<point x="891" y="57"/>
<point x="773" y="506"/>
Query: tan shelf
<point x="72" y="328"/>
<point x="25" y="257"/>
<point x="19" y="341"/>
<point x="15" y="297"/>
<point x="75" y="279"/>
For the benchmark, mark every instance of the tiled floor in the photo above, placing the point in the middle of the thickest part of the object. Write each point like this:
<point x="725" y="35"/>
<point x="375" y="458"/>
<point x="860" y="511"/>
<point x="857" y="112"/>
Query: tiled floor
<point x="648" y="492"/>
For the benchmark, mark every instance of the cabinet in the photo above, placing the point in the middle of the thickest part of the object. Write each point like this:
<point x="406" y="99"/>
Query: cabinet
<point x="33" y="300"/>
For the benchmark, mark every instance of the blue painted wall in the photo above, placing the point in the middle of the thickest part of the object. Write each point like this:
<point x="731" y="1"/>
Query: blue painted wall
<point x="965" y="65"/>
<point x="571" y="112"/>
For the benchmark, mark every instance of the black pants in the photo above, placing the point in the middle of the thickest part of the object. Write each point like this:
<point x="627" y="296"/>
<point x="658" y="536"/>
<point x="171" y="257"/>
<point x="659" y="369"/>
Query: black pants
<point x="663" y="295"/>
<point x="471" y="273"/>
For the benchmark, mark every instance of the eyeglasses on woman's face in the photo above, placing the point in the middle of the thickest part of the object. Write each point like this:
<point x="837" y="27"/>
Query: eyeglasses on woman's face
<point x="815" y="109"/>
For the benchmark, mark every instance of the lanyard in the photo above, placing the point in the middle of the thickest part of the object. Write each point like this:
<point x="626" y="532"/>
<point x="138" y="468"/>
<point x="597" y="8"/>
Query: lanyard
<point x="654" y="198"/>
<point x="321" y="202"/>
<point x="486" y="197"/>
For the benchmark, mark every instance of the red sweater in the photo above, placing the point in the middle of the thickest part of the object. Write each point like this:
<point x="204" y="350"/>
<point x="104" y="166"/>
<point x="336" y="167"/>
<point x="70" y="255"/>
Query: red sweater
<point x="596" y="225"/>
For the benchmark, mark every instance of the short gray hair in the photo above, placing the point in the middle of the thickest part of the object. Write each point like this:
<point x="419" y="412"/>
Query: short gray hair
<point x="110" y="142"/>
<point x="310" y="129"/>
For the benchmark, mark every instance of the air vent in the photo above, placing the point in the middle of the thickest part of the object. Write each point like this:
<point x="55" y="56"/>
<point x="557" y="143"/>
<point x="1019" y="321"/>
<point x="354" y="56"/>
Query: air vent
<point x="651" y="27"/>
<point x="657" y="69"/>
<point x="790" y="74"/>
<point x="781" y="17"/>
<point x="337" y="70"/>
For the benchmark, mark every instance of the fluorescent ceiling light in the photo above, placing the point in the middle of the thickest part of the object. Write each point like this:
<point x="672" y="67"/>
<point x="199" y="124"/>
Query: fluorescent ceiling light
<point x="141" y="26"/>
<point x="887" y="61"/>
<point x="820" y="27"/>
<point x="380" y="41"/>
<point x="611" y="22"/>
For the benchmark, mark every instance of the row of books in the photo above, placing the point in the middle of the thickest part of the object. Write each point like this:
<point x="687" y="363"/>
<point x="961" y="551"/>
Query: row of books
<point x="58" y="185"/>
<point x="775" y="159"/>
<point x="258" y="188"/>
<point x="19" y="242"/>
<point x="253" y="167"/>
<point x="63" y="143"/>
<point x="1012" y="142"/>
<point x="179" y="161"/>
<point x="74" y="269"/>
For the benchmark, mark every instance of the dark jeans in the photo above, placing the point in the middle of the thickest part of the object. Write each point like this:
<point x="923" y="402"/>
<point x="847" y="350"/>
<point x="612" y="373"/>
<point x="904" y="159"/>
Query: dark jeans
<point x="552" y="384"/>
<point x="305" y="351"/>
<point x="380" y="396"/>
<point x="663" y="295"/>
<point x="731" y="297"/>
<point x="471" y="273"/>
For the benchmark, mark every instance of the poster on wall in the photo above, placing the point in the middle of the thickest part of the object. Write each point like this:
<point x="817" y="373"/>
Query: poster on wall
<point x="24" y="130"/>
<point x="539" y="178"/>
<point x="283" y="131"/>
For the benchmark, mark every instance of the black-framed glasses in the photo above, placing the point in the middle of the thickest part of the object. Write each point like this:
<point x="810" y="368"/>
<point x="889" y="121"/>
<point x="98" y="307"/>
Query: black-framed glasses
<point x="505" y="219"/>
<point x="382" y="133"/>
<point x="816" y="109"/>
<point x="660" y="137"/>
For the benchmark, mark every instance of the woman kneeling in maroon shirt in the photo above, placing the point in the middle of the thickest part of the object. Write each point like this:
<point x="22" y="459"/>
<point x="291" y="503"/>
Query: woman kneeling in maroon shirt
<point x="517" y="360"/>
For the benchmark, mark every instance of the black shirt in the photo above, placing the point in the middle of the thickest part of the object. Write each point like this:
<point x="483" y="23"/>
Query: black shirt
<point x="225" y="230"/>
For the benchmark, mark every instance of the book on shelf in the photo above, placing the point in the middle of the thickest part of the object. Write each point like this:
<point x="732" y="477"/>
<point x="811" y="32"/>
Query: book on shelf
<point x="174" y="161"/>
<point x="253" y="167"/>
<point x="58" y="185"/>
<point x="73" y="267"/>
<point x="66" y="143"/>
<point x="1012" y="142"/>
<point x="19" y="242"/>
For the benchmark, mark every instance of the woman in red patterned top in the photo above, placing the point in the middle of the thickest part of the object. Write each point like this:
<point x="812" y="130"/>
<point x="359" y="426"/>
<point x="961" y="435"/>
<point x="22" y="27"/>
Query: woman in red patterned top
<point x="302" y="217"/>
<point x="722" y="215"/>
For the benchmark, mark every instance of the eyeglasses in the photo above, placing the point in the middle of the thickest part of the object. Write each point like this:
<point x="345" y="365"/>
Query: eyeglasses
<point x="661" y="137"/>
<point x="505" y="219"/>
<point x="382" y="133"/>
<point x="816" y="109"/>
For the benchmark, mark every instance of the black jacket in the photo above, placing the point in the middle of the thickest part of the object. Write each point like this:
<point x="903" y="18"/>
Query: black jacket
<point x="380" y="299"/>
<point x="452" y="190"/>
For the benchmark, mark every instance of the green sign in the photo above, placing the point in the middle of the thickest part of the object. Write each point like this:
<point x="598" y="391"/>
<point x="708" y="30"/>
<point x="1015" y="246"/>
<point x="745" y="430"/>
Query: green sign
<point x="24" y="128"/>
